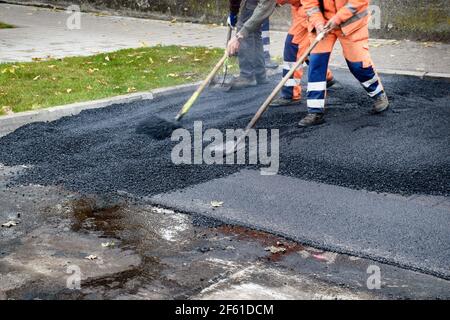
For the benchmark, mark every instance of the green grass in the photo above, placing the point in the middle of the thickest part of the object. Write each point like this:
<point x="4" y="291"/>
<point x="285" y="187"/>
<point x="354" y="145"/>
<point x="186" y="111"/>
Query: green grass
<point x="41" y="84"/>
<point x="5" y="25"/>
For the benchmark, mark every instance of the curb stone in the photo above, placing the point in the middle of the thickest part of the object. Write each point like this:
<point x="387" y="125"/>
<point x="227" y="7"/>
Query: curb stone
<point x="12" y="122"/>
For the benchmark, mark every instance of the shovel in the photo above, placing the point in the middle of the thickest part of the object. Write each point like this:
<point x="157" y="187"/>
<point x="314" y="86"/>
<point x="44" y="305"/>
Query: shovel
<point x="187" y="106"/>
<point x="231" y="148"/>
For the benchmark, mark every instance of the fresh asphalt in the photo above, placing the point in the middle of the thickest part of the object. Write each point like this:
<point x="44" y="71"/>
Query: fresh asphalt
<point x="404" y="152"/>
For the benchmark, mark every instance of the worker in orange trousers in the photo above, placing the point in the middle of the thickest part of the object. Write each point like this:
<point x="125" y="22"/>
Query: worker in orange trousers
<point x="346" y="21"/>
<point x="297" y="42"/>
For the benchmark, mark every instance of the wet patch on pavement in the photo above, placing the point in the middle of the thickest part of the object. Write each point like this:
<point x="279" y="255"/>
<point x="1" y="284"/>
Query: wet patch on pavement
<point x="138" y="251"/>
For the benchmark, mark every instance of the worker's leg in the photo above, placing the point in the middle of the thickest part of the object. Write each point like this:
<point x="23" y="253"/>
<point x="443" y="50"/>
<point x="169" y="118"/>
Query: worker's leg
<point x="330" y="76"/>
<point x="291" y="92"/>
<point x="246" y="50"/>
<point x="317" y="74"/>
<point x="265" y="28"/>
<point x="266" y="45"/>
<point x="258" y="61"/>
<point x="292" y="89"/>
<point x="356" y="52"/>
<point x="317" y="81"/>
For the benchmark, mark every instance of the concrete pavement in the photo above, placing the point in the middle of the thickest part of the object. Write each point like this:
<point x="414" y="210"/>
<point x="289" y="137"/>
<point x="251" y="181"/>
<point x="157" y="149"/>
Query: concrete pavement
<point x="405" y="151"/>
<point x="43" y="32"/>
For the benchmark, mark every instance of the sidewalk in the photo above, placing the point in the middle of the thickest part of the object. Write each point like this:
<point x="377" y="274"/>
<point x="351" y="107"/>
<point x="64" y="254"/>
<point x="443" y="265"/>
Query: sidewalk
<point x="43" y="32"/>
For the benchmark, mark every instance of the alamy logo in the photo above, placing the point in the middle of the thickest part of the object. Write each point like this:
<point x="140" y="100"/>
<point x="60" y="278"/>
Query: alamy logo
<point x="374" y="280"/>
<point x="220" y="149"/>
<point x="375" y="20"/>
<point x="73" y="22"/>
<point x="73" y="281"/>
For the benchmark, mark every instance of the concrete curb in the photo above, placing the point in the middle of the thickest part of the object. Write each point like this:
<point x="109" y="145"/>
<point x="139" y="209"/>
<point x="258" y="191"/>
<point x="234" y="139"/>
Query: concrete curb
<point x="12" y="122"/>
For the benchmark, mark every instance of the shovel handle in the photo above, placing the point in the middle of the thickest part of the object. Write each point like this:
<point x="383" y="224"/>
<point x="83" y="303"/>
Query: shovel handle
<point x="200" y="89"/>
<point x="280" y="85"/>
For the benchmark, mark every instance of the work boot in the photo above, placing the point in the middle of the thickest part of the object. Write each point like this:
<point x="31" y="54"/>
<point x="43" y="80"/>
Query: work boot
<point x="262" y="80"/>
<point x="312" y="119"/>
<point x="284" y="102"/>
<point x="270" y="64"/>
<point x="242" y="83"/>
<point x="381" y="103"/>
<point x="331" y="83"/>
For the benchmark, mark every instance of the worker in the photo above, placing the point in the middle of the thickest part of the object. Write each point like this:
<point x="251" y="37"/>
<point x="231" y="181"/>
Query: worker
<point x="296" y="44"/>
<point x="346" y="21"/>
<point x="248" y="41"/>
<point x="265" y="29"/>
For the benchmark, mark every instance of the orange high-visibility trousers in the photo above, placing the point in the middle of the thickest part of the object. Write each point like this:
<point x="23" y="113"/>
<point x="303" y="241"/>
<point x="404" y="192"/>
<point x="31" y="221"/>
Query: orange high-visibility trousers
<point x="356" y="53"/>
<point x="296" y="44"/>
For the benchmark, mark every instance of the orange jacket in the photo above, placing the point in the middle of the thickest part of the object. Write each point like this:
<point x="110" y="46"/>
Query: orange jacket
<point x="350" y="15"/>
<point x="299" y="19"/>
<point x="295" y="3"/>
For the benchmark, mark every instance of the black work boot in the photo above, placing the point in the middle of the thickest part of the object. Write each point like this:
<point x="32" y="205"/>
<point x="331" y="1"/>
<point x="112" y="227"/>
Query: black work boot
<point x="312" y="119"/>
<point x="270" y="64"/>
<point x="331" y="83"/>
<point x="242" y="83"/>
<point x="284" y="102"/>
<point x="262" y="80"/>
<point x="381" y="103"/>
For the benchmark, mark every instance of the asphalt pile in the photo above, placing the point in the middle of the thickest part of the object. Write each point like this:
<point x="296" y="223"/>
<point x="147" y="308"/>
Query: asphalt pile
<point x="157" y="128"/>
<point x="114" y="149"/>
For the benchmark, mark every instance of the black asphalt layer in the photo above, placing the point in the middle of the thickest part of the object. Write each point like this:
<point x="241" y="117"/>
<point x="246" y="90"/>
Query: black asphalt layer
<point x="383" y="227"/>
<point x="405" y="150"/>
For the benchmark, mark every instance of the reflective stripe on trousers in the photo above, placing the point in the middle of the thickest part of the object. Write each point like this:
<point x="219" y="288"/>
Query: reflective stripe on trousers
<point x="265" y="30"/>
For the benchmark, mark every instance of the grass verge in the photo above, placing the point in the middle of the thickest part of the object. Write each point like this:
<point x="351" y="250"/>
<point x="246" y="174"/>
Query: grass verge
<point x="41" y="84"/>
<point x="5" y="25"/>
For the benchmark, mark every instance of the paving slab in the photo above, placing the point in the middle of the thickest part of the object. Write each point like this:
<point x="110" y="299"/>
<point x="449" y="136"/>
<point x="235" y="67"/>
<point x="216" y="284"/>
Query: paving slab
<point x="43" y="32"/>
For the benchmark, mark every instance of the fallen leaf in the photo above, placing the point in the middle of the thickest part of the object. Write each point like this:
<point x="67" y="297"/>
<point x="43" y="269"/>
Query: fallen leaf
<point x="108" y="244"/>
<point x="275" y="250"/>
<point x="10" y="70"/>
<point x="89" y="87"/>
<point x="69" y="90"/>
<point x="216" y="204"/>
<point x="131" y="89"/>
<point x="173" y="75"/>
<point x="36" y="78"/>
<point x="52" y="66"/>
<point x="8" y="110"/>
<point x="91" y="257"/>
<point x="10" y="224"/>
<point x="107" y="58"/>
